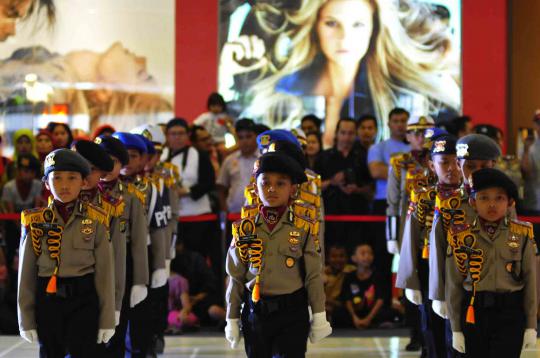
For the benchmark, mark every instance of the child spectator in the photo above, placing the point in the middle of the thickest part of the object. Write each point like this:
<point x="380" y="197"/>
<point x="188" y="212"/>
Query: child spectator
<point x="313" y="148"/>
<point x="180" y="315"/>
<point x="44" y="144"/>
<point x="362" y="298"/>
<point x="334" y="274"/>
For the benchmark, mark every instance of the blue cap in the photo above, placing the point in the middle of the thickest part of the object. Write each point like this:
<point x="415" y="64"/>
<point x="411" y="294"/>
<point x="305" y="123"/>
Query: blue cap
<point x="131" y="141"/>
<point x="265" y="138"/>
<point x="150" y="149"/>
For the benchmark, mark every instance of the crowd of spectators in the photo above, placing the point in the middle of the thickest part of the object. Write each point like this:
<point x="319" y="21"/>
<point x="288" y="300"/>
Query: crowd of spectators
<point x="354" y="171"/>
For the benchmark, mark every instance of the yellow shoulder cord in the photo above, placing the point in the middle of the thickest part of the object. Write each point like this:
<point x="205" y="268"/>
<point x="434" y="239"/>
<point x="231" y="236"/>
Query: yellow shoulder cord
<point x="426" y="206"/>
<point x="524" y="228"/>
<point x="250" y="248"/>
<point x="131" y="188"/>
<point x="464" y="248"/>
<point x="53" y="232"/>
<point x="450" y="211"/>
<point x="95" y="213"/>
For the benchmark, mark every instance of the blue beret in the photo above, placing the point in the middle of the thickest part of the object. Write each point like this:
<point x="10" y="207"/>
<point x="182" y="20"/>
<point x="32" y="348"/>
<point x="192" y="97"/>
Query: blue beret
<point x="150" y="148"/>
<point x="131" y="141"/>
<point x="265" y="138"/>
<point x="65" y="160"/>
<point x="477" y="147"/>
<point x="113" y="146"/>
<point x="95" y="155"/>
<point x="278" y="162"/>
<point x="493" y="178"/>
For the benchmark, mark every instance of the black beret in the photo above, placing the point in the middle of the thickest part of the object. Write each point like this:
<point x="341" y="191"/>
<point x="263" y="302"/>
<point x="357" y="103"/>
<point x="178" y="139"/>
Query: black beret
<point x="28" y="161"/>
<point x="477" y="147"/>
<point x="289" y="149"/>
<point x="113" y="146"/>
<point x="244" y="124"/>
<point x="493" y="178"/>
<point x="487" y="129"/>
<point x="66" y="160"/>
<point x="445" y="144"/>
<point x="277" y="162"/>
<point x="95" y="155"/>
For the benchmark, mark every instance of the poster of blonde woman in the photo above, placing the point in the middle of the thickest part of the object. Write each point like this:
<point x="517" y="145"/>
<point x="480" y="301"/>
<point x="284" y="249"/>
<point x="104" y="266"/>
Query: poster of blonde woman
<point x="281" y="60"/>
<point x="100" y="61"/>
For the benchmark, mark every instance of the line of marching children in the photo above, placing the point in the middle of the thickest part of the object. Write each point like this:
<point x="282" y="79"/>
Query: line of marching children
<point x="94" y="263"/>
<point x="465" y="259"/>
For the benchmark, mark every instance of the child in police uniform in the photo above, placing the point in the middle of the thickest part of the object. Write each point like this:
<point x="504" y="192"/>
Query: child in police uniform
<point x="275" y="270"/>
<point x="491" y="273"/>
<point x="66" y="285"/>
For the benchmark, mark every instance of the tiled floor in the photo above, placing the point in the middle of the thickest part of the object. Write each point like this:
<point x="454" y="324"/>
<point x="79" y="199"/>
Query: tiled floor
<point x="215" y="346"/>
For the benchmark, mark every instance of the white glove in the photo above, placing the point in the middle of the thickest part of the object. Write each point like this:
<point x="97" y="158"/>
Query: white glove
<point x="116" y="318"/>
<point x="104" y="335"/>
<point x="529" y="339"/>
<point x="168" y="267"/>
<point x="320" y="327"/>
<point x="414" y="296"/>
<point x="392" y="247"/>
<point x="29" y="336"/>
<point x="232" y="332"/>
<point x="138" y="294"/>
<point x="439" y="307"/>
<point x="159" y="278"/>
<point x="458" y="341"/>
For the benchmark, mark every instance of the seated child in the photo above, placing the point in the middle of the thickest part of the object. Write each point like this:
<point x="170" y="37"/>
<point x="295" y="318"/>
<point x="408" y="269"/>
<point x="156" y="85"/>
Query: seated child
<point x="359" y="293"/>
<point x="180" y="315"/>
<point x="334" y="274"/>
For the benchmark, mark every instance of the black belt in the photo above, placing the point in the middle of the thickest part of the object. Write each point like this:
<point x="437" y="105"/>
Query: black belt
<point x="487" y="299"/>
<point x="68" y="287"/>
<point x="269" y="304"/>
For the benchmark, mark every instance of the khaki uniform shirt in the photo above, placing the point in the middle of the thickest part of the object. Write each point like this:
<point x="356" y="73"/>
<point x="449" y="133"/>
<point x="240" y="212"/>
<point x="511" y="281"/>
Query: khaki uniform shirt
<point x="398" y="187"/>
<point x="416" y="229"/>
<point x="285" y="267"/>
<point x="507" y="247"/>
<point x="85" y="248"/>
<point x="157" y="224"/>
<point x="118" y="240"/>
<point x="133" y="224"/>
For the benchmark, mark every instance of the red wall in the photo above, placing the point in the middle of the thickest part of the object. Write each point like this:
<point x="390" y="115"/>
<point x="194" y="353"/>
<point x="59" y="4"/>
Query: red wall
<point x="485" y="61"/>
<point x="484" y="58"/>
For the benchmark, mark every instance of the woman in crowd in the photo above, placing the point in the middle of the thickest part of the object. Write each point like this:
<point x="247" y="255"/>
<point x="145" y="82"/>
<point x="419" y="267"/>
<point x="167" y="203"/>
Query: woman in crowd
<point x="44" y="144"/>
<point x="313" y="148"/>
<point x="360" y="55"/>
<point x="61" y="133"/>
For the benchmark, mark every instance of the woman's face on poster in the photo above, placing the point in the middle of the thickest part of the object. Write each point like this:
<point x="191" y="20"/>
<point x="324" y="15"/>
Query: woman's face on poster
<point x="119" y="65"/>
<point x="344" y="29"/>
<point x="10" y="11"/>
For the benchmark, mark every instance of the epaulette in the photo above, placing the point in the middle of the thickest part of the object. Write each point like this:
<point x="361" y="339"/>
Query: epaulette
<point x="114" y="207"/>
<point x="309" y="197"/>
<point x="250" y="193"/>
<point x="415" y="179"/>
<point x="398" y="161"/>
<point x="314" y="182"/>
<point x="96" y="213"/>
<point x="522" y="228"/>
<point x="30" y="216"/>
<point x="302" y="208"/>
<point x="131" y="188"/>
<point x="249" y="211"/>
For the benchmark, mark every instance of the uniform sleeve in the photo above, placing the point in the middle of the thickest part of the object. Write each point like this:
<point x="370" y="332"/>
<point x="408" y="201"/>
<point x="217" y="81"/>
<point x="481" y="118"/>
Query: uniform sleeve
<point x="407" y="275"/>
<point x="118" y="240"/>
<point x="103" y="278"/>
<point x="139" y="251"/>
<point x="26" y="284"/>
<point x="437" y="258"/>
<point x="313" y="280"/>
<point x="236" y="270"/>
<point x="157" y="248"/>
<point x="529" y="277"/>
<point x="393" y="193"/>
<point x="454" y="293"/>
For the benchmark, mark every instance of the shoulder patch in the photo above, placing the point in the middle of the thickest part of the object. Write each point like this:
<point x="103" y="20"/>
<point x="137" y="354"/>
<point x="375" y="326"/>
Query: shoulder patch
<point x="523" y="228"/>
<point x="30" y="216"/>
